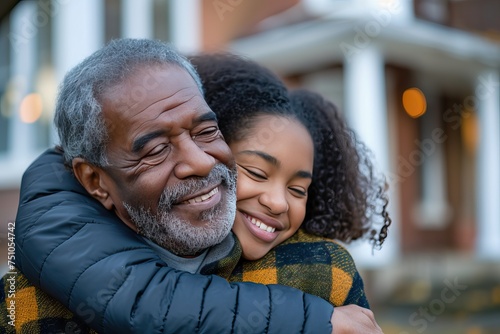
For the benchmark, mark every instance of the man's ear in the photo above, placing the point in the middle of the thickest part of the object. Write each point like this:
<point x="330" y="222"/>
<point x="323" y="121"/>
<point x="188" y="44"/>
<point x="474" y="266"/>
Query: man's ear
<point x="93" y="180"/>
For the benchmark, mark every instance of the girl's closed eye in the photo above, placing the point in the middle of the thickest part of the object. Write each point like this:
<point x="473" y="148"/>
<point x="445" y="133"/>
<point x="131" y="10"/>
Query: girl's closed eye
<point x="272" y="189"/>
<point x="300" y="192"/>
<point x="254" y="173"/>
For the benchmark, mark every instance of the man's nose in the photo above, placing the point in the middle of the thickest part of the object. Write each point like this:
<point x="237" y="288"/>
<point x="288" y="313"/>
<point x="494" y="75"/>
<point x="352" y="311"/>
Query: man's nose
<point x="192" y="160"/>
<point x="275" y="200"/>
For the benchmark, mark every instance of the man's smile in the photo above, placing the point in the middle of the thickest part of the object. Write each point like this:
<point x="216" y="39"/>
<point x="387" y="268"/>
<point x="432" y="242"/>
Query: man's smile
<point x="202" y="197"/>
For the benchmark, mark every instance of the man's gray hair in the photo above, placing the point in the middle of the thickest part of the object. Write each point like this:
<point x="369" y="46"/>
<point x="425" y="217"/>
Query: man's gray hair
<point x="78" y="117"/>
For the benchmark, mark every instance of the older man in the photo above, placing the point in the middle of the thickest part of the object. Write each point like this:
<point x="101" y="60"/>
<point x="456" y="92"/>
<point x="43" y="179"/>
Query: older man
<point x="139" y="137"/>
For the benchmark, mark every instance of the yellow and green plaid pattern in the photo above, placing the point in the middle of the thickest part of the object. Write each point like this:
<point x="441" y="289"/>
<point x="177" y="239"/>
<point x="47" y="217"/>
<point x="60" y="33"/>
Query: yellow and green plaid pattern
<point x="310" y="263"/>
<point x="34" y="311"/>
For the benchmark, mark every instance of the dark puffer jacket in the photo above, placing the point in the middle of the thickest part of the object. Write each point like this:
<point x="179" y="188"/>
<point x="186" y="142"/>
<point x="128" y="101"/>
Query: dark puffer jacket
<point x="84" y="256"/>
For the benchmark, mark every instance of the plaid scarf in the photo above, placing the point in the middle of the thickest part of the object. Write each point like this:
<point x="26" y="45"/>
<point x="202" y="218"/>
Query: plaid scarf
<point x="25" y="308"/>
<point x="312" y="264"/>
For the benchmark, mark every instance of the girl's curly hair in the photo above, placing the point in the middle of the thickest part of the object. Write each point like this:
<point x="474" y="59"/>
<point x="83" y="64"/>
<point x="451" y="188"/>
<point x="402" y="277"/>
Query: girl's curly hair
<point x="238" y="90"/>
<point x="346" y="199"/>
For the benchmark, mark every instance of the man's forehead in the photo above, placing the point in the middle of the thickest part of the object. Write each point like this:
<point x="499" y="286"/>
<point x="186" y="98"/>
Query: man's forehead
<point x="148" y="76"/>
<point x="148" y="84"/>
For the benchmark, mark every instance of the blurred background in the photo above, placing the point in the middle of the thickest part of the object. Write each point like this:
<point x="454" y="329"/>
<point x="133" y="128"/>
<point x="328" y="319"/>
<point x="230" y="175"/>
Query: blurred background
<point x="418" y="80"/>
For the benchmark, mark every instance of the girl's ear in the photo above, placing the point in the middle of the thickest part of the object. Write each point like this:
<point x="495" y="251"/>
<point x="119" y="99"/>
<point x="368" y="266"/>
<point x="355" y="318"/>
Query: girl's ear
<point x="92" y="178"/>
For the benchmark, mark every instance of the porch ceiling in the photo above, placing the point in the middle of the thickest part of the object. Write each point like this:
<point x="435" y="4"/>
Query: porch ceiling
<point x="425" y="47"/>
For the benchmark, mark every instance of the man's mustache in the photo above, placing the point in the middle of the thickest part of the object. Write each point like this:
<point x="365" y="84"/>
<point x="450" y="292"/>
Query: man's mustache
<point x="220" y="174"/>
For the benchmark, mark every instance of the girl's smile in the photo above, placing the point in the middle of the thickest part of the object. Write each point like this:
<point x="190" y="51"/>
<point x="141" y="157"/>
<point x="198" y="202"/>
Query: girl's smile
<point x="274" y="173"/>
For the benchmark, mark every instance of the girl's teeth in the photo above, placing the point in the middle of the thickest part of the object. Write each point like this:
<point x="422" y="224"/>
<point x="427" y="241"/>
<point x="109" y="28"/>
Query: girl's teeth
<point x="261" y="225"/>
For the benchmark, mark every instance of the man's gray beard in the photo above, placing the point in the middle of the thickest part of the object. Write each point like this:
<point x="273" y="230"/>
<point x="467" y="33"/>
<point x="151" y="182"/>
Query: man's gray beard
<point x="178" y="235"/>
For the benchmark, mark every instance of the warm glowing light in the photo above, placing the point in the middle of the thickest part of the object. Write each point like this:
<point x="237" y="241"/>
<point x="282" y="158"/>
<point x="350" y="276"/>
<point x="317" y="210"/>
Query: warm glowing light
<point x="470" y="131"/>
<point x="31" y="108"/>
<point x="414" y="102"/>
<point x="496" y="295"/>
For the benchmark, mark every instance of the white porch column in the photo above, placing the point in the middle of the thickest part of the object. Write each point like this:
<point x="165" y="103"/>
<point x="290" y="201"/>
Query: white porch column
<point x="366" y="112"/>
<point x="74" y="37"/>
<point x="433" y="211"/>
<point x="23" y="39"/>
<point x="186" y="25"/>
<point x="488" y="166"/>
<point x="137" y="18"/>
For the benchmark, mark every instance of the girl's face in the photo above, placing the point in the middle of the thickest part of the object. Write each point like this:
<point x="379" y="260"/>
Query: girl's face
<point x="275" y="163"/>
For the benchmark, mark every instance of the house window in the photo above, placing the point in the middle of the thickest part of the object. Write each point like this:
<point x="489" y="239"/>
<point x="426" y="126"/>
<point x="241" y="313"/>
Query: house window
<point x="4" y="78"/>
<point x="27" y="88"/>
